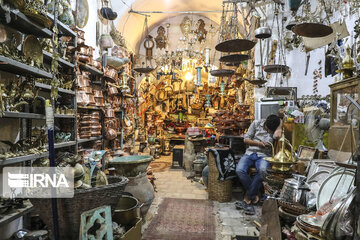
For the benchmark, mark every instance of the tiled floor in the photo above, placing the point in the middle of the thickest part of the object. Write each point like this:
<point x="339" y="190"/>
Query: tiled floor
<point x="173" y="183"/>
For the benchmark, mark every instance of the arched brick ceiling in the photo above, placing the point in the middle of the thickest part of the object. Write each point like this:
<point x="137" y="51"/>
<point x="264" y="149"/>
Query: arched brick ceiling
<point x="131" y="25"/>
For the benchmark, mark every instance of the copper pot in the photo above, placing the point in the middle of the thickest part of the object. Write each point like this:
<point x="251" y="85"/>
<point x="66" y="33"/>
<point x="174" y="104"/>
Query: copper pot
<point x="99" y="102"/>
<point x="112" y="90"/>
<point x="98" y="93"/>
<point x="91" y="99"/>
<point x="97" y="64"/>
<point x="84" y="50"/>
<point x="82" y="81"/>
<point x="110" y="134"/>
<point x="109" y="113"/>
<point x="80" y="41"/>
<point x="86" y="89"/>
<point x="111" y="73"/>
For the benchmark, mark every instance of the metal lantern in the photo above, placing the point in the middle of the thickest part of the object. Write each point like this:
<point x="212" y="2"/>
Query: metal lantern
<point x="198" y="76"/>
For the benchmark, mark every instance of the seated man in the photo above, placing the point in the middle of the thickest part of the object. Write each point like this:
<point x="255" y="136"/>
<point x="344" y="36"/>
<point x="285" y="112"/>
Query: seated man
<point x="258" y="136"/>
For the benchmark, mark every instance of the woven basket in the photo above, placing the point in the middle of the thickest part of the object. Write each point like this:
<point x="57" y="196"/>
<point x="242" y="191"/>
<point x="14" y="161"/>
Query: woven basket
<point x="220" y="191"/>
<point x="70" y="209"/>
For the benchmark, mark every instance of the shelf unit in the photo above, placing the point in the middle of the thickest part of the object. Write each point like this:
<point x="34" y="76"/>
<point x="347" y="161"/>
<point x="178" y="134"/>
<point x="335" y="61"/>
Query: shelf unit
<point x="23" y="115"/>
<point x="62" y="62"/>
<point x="20" y="22"/>
<point x="89" y="139"/>
<point x="48" y="87"/>
<point x="12" y="66"/>
<point x="20" y="159"/>
<point x="16" y="213"/>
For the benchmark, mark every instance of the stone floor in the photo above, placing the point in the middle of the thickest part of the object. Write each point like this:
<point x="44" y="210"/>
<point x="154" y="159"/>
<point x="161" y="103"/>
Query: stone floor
<point x="173" y="183"/>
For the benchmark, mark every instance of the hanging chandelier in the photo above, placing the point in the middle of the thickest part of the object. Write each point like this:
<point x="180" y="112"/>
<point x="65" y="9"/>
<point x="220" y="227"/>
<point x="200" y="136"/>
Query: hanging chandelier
<point x="144" y="64"/>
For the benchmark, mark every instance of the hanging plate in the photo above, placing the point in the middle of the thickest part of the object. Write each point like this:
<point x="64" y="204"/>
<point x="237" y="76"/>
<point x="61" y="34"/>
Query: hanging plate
<point x="222" y="73"/>
<point x="276" y="68"/>
<point x="291" y="25"/>
<point x="235" y="45"/>
<point x="234" y="58"/>
<point x="32" y="49"/>
<point x="144" y="70"/>
<point x="312" y="30"/>
<point x="82" y="9"/>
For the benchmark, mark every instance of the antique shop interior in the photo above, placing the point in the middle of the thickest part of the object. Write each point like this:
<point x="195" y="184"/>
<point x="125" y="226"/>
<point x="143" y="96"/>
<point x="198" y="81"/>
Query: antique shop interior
<point x="167" y="120"/>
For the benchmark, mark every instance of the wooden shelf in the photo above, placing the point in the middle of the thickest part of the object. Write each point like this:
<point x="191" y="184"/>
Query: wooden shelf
<point x="18" y="68"/>
<point x="24" y="24"/>
<point x="48" y="87"/>
<point x="16" y="213"/>
<point x="20" y="159"/>
<point x="62" y="62"/>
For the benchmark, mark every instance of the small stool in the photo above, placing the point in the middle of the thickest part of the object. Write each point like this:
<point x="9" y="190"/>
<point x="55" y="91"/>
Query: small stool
<point x="178" y="152"/>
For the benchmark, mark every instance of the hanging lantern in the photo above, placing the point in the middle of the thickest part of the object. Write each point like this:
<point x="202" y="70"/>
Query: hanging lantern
<point x="207" y="57"/>
<point x="198" y="76"/>
<point x="208" y="101"/>
<point x="222" y="88"/>
<point x="125" y="88"/>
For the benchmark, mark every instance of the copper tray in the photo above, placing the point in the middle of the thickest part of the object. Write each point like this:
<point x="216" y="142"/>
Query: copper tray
<point x="234" y="58"/>
<point x="276" y="68"/>
<point x="222" y="73"/>
<point x="312" y="30"/>
<point x="235" y="45"/>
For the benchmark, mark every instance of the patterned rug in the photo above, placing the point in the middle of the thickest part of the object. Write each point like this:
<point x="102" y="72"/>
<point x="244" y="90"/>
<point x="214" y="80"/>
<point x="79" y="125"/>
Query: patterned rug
<point x="162" y="164"/>
<point x="182" y="219"/>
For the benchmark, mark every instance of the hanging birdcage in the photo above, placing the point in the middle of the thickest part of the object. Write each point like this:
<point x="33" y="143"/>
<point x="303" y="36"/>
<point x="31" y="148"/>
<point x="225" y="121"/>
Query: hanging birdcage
<point x="144" y="62"/>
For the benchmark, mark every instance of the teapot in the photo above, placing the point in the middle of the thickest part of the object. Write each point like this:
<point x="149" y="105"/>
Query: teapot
<point x="282" y="160"/>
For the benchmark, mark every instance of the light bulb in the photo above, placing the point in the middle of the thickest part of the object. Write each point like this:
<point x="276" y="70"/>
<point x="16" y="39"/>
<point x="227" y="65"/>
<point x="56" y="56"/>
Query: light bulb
<point x="189" y="76"/>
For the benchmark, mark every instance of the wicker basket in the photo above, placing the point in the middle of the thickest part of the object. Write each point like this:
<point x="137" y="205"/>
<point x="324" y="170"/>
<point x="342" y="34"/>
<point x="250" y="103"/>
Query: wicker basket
<point x="70" y="209"/>
<point x="220" y="191"/>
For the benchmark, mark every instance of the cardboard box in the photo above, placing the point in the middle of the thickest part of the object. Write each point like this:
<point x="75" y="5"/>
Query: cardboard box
<point x="133" y="233"/>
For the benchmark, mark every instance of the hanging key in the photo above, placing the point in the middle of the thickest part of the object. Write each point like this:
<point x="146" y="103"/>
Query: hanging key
<point x="307" y="63"/>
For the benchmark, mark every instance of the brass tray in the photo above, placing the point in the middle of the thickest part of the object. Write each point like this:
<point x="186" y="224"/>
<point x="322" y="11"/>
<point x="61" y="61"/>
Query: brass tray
<point x="144" y="70"/>
<point x="257" y="82"/>
<point x="312" y="30"/>
<point x="39" y="18"/>
<point x="235" y="45"/>
<point x="32" y="49"/>
<point x="234" y="58"/>
<point x="222" y="73"/>
<point x="276" y="68"/>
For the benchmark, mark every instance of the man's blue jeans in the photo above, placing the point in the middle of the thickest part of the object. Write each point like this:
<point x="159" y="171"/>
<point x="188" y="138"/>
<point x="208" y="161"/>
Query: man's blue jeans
<point x="252" y="186"/>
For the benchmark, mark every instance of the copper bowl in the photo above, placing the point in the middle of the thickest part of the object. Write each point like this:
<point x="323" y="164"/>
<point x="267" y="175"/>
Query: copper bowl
<point x="83" y="136"/>
<point x="85" y="118"/>
<point x="95" y="114"/>
<point x="95" y="133"/>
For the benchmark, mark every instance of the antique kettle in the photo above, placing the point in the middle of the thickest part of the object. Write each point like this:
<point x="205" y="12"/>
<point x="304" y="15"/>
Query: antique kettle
<point x="282" y="160"/>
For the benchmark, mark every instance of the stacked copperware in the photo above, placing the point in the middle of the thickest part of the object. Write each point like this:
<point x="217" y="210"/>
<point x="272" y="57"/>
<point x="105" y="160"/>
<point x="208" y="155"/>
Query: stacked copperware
<point x="89" y="125"/>
<point x="228" y="122"/>
<point x="85" y="95"/>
